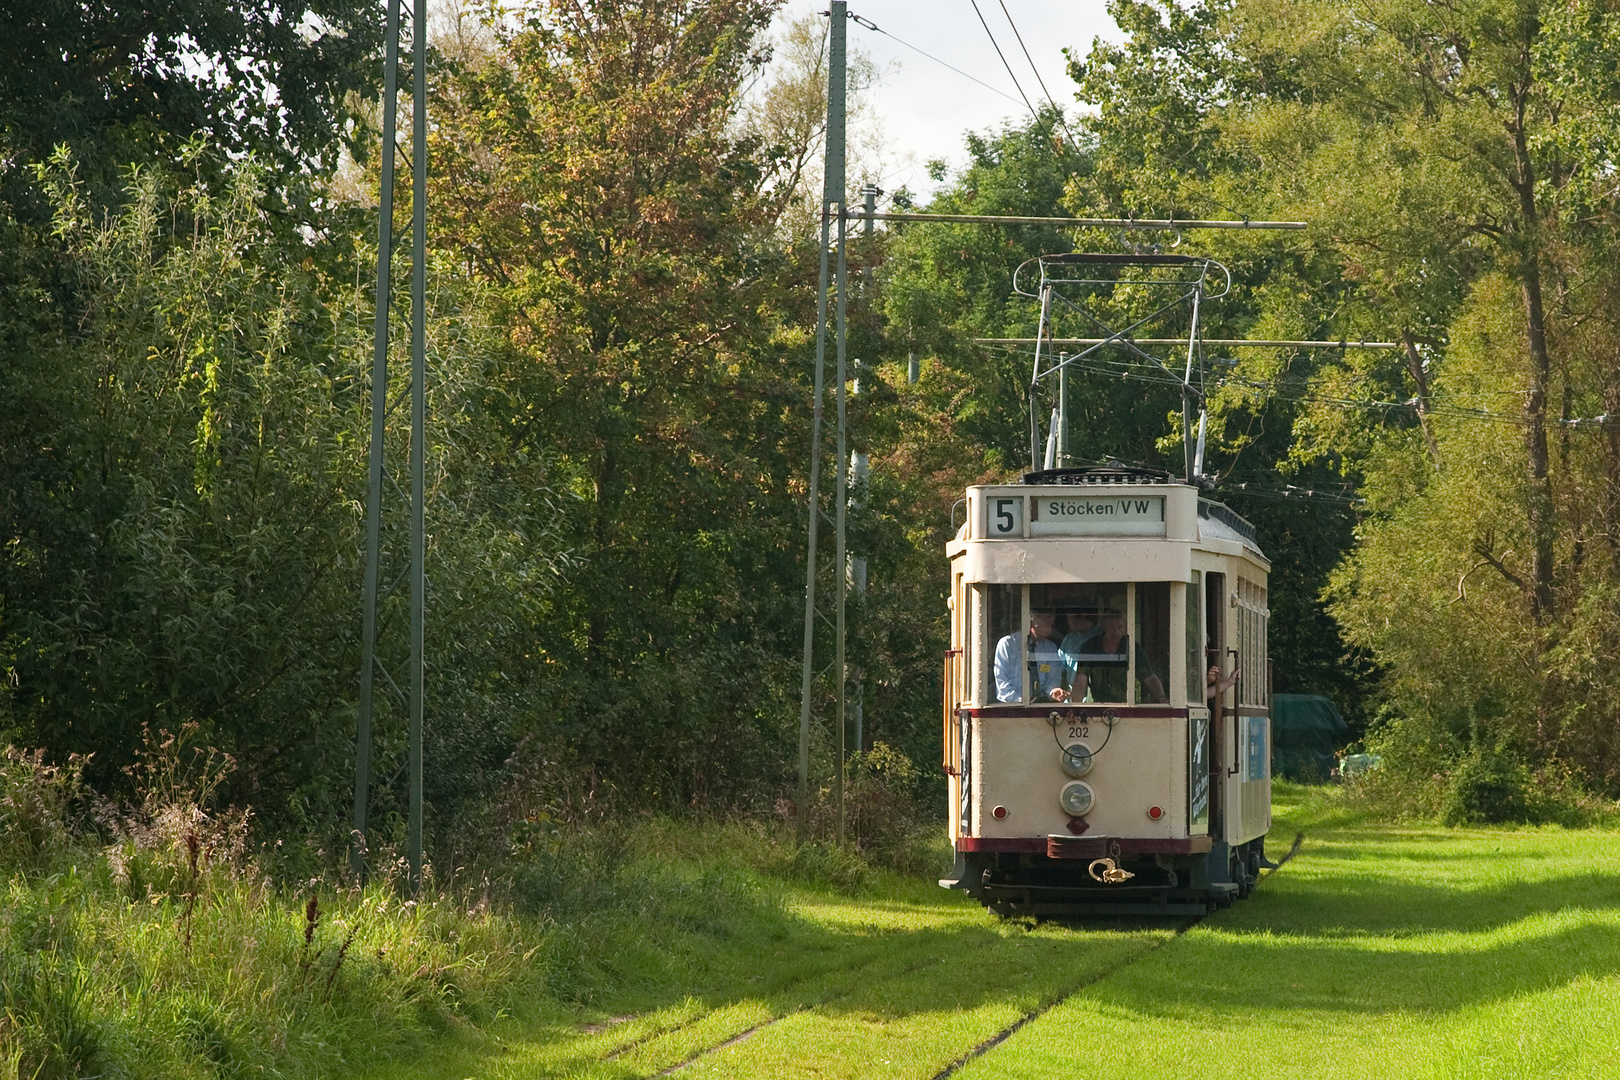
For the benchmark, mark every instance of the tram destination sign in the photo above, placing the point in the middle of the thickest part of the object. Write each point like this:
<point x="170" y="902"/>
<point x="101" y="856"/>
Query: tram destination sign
<point x="1097" y="515"/>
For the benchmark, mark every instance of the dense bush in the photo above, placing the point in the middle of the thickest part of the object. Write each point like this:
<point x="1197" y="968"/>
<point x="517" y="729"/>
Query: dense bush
<point x="1488" y="785"/>
<point x="1456" y="771"/>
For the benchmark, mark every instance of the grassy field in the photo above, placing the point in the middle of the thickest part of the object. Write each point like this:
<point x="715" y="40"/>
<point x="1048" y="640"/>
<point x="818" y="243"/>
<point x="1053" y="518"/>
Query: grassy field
<point x="897" y="982"/>
<point x="1378" y="951"/>
<point x="705" y="951"/>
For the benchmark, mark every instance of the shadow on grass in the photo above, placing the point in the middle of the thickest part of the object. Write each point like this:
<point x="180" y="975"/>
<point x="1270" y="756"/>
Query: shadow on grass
<point x="1245" y="974"/>
<point x="776" y="963"/>
<point x="1346" y="936"/>
<point x="1361" y="943"/>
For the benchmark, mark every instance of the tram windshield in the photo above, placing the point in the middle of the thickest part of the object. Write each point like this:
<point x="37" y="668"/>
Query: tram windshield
<point x="1093" y="642"/>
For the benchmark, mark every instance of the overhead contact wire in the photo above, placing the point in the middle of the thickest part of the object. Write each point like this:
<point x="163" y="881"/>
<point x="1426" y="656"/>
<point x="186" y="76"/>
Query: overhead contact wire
<point x="1042" y="82"/>
<point x="876" y="29"/>
<point x="994" y="45"/>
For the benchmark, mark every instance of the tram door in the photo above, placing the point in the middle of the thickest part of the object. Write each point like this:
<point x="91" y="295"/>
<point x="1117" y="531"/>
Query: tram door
<point x="1219" y="718"/>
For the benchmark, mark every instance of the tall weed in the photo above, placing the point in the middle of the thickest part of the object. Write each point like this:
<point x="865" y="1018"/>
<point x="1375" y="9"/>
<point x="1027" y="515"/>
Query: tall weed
<point x="36" y="802"/>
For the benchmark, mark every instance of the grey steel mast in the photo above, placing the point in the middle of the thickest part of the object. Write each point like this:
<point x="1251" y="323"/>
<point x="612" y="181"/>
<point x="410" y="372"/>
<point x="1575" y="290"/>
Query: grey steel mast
<point x="842" y="514"/>
<point x="419" y="167"/>
<point x="832" y="204"/>
<point x="369" y="663"/>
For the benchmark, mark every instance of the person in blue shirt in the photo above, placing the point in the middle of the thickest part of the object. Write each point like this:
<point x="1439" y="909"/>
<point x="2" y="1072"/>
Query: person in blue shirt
<point x="1045" y="666"/>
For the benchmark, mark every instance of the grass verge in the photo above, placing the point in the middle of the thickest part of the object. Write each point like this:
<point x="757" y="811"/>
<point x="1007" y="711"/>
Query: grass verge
<point x="1379" y="952"/>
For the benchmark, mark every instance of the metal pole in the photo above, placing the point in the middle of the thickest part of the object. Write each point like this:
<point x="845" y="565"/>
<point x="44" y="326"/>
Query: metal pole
<point x="839" y="556"/>
<point x="815" y="520"/>
<point x="859" y="470"/>
<point x="419" y="166"/>
<point x="1034" y="381"/>
<point x="1188" y="454"/>
<point x="379" y="397"/>
<point x="832" y="197"/>
<point x="1063" y="412"/>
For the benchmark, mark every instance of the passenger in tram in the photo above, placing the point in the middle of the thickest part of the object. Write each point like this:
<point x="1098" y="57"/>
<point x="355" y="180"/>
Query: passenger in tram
<point x="1099" y="680"/>
<point x="1045" y="666"/>
<point x="1214" y="685"/>
<point x="1082" y="628"/>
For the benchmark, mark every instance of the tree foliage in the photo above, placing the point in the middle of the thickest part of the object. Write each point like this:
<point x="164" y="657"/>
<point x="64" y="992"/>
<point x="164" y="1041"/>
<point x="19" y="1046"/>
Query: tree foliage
<point x="592" y="177"/>
<point x="127" y="82"/>
<point x="1451" y="161"/>
<point x="184" y="548"/>
<point x="621" y="339"/>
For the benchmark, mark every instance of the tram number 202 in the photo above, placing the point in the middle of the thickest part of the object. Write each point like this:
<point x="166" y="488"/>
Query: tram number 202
<point x="1079" y="731"/>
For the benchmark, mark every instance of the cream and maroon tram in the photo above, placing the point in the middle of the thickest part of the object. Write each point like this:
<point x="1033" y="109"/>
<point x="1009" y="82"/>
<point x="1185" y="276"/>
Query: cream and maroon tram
<point x="1092" y="763"/>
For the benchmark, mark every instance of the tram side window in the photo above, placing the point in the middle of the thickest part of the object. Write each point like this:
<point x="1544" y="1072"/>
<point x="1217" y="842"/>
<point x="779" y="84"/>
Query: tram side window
<point x="1003" y="611"/>
<point x="1252" y="619"/>
<point x="1195" y="653"/>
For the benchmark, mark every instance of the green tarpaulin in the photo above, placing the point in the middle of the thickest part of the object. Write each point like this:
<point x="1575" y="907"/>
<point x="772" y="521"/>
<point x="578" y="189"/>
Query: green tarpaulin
<point x="1307" y="732"/>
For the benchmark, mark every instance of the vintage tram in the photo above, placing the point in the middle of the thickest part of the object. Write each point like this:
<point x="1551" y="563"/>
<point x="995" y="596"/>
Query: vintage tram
<point x="1094" y="762"/>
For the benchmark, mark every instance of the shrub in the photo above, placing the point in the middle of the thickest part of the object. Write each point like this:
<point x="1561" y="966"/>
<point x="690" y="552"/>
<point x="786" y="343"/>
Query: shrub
<point x="1488" y="785"/>
<point x="1415" y="752"/>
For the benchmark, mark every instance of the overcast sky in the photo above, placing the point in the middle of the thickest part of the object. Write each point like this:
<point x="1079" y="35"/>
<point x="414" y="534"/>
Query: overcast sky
<point x="924" y="107"/>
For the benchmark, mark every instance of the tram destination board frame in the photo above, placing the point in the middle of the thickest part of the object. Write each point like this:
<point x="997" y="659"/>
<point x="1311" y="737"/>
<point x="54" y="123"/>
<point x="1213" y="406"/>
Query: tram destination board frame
<point x="1069" y="514"/>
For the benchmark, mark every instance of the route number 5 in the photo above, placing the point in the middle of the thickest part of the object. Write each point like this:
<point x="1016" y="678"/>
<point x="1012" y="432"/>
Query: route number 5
<point x="1006" y="517"/>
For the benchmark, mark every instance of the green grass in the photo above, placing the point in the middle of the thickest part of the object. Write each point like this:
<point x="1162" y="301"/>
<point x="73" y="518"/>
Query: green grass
<point x="717" y="950"/>
<point x="895" y="981"/>
<point x="1377" y="952"/>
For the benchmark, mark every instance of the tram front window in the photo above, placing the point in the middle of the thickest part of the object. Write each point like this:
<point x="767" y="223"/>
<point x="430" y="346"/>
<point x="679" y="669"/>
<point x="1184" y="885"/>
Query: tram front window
<point x="1026" y="656"/>
<point x="1152" y="641"/>
<point x="1114" y="639"/>
<point x="1107" y="643"/>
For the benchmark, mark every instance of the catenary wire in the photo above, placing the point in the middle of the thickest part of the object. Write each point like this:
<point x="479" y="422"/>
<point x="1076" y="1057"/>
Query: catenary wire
<point x="1135" y="370"/>
<point x="1042" y="82"/>
<point x="876" y="29"/>
<point x="996" y="46"/>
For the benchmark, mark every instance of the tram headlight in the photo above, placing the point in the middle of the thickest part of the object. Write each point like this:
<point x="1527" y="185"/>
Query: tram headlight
<point x="1076" y="799"/>
<point x="1077" y="760"/>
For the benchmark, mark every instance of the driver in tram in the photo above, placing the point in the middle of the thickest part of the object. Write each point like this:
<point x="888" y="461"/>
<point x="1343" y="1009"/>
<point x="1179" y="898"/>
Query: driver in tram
<point x="1045" y="666"/>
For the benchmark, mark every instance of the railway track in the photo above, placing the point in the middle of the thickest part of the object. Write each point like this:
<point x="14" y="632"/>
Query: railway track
<point x="1035" y="1014"/>
<point x="840" y="986"/>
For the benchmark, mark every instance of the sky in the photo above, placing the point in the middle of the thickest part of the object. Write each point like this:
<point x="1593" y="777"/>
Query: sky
<point x="924" y="107"/>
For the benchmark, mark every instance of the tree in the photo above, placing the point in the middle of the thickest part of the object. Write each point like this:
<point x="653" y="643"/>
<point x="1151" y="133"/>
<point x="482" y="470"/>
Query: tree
<point x="593" y="178"/>
<point x="186" y="546"/>
<point x="127" y="82"/>
<point x="1451" y="160"/>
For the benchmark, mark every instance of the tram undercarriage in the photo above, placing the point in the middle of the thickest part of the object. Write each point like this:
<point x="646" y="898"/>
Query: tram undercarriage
<point x="1018" y="884"/>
